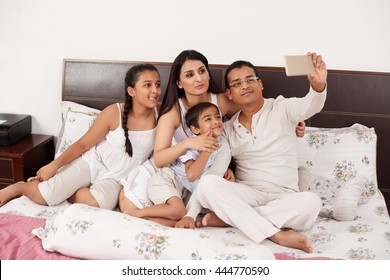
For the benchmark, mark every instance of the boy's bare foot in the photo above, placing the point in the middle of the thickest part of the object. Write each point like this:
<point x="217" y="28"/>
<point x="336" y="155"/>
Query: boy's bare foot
<point x="8" y="193"/>
<point x="211" y="220"/>
<point x="292" y="239"/>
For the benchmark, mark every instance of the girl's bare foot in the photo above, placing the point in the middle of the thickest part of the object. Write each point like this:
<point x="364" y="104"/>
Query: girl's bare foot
<point x="8" y="193"/>
<point x="211" y="220"/>
<point x="292" y="239"/>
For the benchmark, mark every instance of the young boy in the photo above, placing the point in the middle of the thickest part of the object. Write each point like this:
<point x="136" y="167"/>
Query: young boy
<point x="171" y="185"/>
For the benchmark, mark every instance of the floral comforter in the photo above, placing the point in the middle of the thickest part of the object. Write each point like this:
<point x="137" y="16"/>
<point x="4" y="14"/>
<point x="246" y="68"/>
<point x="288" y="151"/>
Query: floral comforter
<point x="85" y="232"/>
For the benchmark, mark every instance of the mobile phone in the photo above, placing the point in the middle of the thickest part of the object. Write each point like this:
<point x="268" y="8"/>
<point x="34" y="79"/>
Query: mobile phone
<point x="298" y="65"/>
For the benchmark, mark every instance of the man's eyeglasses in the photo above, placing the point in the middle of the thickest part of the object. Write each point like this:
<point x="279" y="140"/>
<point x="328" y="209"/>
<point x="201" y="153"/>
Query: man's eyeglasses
<point x="238" y="83"/>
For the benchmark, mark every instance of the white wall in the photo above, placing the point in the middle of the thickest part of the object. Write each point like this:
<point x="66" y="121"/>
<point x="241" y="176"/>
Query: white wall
<point x="36" y="35"/>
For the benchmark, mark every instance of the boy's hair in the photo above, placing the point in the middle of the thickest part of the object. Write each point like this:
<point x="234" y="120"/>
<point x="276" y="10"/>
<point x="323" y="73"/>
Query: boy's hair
<point x="192" y="115"/>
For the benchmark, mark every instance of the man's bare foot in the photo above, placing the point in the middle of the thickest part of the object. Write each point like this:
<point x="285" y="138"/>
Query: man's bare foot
<point x="211" y="220"/>
<point x="8" y="193"/>
<point x="292" y="239"/>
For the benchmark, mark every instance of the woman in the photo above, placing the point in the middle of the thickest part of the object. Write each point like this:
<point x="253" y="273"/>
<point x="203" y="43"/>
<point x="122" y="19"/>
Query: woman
<point x="90" y="170"/>
<point x="189" y="84"/>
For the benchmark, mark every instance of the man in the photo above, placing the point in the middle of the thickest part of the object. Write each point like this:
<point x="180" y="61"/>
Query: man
<point x="265" y="201"/>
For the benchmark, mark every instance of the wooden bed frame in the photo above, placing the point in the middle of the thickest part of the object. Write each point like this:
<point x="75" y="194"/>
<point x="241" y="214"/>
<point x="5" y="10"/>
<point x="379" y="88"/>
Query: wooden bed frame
<point x="353" y="97"/>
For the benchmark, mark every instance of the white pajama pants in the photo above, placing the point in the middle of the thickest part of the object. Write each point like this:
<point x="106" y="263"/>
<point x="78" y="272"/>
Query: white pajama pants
<point x="257" y="214"/>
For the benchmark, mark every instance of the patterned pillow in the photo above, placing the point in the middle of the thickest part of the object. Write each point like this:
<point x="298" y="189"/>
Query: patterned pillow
<point x="77" y="119"/>
<point x="66" y="105"/>
<point x="338" y="159"/>
<point x="339" y="199"/>
<point x="92" y="233"/>
<point x="340" y="154"/>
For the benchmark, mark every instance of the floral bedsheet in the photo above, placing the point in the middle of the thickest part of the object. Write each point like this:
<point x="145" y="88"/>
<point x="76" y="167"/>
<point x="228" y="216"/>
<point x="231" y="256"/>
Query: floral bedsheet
<point x="72" y="227"/>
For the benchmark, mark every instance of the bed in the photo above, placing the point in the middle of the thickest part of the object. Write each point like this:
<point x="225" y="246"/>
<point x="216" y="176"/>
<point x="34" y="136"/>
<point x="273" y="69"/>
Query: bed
<point x="343" y="158"/>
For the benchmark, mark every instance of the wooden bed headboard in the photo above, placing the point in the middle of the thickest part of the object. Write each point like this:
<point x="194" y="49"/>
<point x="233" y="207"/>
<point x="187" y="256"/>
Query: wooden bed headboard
<point x="353" y="97"/>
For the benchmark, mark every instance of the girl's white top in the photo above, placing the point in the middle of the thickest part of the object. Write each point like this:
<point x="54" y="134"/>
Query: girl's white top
<point x="108" y="159"/>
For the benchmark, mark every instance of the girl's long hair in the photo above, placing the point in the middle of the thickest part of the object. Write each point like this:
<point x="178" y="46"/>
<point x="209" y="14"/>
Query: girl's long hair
<point x="132" y="77"/>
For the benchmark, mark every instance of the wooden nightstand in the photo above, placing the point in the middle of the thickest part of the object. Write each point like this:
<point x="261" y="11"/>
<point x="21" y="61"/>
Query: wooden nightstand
<point x="21" y="160"/>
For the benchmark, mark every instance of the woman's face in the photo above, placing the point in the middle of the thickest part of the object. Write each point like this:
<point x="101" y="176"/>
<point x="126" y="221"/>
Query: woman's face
<point x="194" y="78"/>
<point x="147" y="90"/>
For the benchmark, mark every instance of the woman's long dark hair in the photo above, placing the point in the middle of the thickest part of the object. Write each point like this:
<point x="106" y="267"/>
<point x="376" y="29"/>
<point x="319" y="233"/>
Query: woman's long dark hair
<point x="173" y="92"/>
<point x="132" y="77"/>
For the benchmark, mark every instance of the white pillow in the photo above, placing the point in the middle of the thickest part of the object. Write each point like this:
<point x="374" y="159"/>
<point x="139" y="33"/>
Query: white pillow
<point x="77" y="119"/>
<point x="92" y="233"/>
<point x="339" y="199"/>
<point x="66" y="105"/>
<point x="340" y="154"/>
<point x="339" y="165"/>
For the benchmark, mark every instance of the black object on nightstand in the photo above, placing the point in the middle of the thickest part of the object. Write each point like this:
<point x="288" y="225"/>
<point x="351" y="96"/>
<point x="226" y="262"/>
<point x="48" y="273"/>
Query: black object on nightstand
<point x="22" y="160"/>
<point x="13" y="127"/>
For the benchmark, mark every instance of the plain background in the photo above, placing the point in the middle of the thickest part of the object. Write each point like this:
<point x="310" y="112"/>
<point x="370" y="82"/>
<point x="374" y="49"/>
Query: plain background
<point x="36" y="35"/>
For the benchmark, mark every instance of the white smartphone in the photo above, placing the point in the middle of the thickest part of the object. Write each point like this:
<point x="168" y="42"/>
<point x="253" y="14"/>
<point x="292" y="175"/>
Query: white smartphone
<point x="298" y="65"/>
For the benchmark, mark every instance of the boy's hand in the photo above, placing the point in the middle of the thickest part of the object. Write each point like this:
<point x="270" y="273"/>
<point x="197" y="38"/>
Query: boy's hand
<point x="186" y="222"/>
